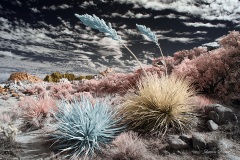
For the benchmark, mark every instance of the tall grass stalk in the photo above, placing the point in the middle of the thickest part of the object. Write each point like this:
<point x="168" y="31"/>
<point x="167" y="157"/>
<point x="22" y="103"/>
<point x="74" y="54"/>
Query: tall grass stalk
<point x="147" y="31"/>
<point x="99" y="24"/>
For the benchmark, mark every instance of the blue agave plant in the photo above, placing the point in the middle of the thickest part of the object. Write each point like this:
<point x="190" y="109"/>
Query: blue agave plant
<point x="82" y="127"/>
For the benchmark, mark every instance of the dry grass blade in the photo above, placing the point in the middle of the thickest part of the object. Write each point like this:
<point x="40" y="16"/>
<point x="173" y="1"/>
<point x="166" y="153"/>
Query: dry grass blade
<point x="158" y="104"/>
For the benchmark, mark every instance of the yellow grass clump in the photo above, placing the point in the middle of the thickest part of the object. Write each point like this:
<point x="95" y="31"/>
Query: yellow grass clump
<point x="158" y="104"/>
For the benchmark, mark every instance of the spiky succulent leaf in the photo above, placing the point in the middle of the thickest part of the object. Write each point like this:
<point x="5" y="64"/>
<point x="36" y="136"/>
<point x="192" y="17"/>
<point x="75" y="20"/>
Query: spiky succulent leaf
<point x="147" y="31"/>
<point x="99" y="24"/>
<point x="83" y="126"/>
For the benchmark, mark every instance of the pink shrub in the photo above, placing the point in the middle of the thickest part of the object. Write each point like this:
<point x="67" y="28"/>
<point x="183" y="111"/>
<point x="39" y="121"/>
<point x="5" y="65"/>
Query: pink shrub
<point x="158" y="62"/>
<point x="232" y="40"/>
<point x="35" y="110"/>
<point x="201" y="101"/>
<point x="215" y="72"/>
<point x="115" y="83"/>
<point x="35" y="90"/>
<point x="188" y="54"/>
<point x="62" y="90"/>
<point x="128" y="146"/>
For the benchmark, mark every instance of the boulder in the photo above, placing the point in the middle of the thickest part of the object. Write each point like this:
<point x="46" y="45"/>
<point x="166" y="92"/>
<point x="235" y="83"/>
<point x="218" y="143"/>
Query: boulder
<point x="212" y="126"/>
<point x="220" y="114"/>
<point x="186" y="138"/>
<point x="199" y="141"/>
<point x="22" y="76"/>
<point x="176" y="143"/>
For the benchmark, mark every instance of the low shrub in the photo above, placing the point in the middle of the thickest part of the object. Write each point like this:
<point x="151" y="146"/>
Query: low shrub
<point x="36" y="110"/>
<point x="158" y="105"/>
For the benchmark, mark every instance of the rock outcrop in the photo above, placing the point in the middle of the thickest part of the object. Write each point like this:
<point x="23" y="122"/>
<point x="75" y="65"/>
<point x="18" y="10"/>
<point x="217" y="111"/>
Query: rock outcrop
<point x="22" y="76"/>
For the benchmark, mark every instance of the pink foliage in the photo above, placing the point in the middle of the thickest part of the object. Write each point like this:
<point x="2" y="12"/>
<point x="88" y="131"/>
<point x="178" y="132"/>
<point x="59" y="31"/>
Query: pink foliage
<point x="214" y="72"/>
<point x="115" y="83"/>
<point x="158" y="62"/>
<point x="36" y="109"/>
<point x="62" y="90"/>
<point x="129" y="146"/>
<point x="189" y="54"/>
<point x="37" y="89"/>
<point x="201" y="102"/>
<point x="232" y="40"/>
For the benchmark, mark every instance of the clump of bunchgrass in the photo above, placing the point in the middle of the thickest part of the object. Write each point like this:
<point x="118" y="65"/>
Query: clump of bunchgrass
<point x="159" y="104"/>
<point x="84" y="126"/>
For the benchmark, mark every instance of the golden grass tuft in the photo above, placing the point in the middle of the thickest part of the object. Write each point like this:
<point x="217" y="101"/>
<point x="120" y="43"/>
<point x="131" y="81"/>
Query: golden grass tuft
<point x="159" y="104"/>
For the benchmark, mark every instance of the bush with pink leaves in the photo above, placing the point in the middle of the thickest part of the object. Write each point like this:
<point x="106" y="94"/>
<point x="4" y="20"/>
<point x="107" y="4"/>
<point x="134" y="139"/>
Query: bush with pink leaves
<point x="215" y="72"/>
<point x="118" y="83"/>
<point x="62" y="90"/>
<point x="36" y="110"/>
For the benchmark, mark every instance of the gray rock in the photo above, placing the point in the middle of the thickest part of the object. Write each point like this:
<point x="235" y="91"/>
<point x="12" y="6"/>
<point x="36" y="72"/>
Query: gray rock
<point x="211" y="107"/>
<point x="212" y="126"/>
<point x="232" y="157"/>
<point x="199" y="141"/>
<point x="176" y="143"/>
<point x="186" y="138"/>
<point x="214" y="116"/>
<point x="225" y="144"/>
<point x="220" y="114"/>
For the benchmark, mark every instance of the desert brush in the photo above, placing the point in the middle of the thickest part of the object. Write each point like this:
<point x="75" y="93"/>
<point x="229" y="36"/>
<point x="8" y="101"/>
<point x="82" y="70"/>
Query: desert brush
<point x="159" y="104"/>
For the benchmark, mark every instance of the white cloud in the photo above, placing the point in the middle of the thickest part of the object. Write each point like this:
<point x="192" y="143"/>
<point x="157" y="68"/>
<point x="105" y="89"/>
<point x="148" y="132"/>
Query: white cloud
<point x="110" y="45"/>
<point x="140" y="15"/>
<point x="128" y="14"/>
<point x="66" y="24"/>
<point x="211" y="44"/>
<point x="200" y="24"/>
<point x="54" y="7"/>
<point x="67" y="31"/>
<point x="183" y="17"/>
<point x="180" y="39"/>
<point x="17" y="3"/>
<point x="185" y="40"/>
<point x="228" y="10"/>
<point x="35" y="10"/>
<point x="86" y="4"/>
<point x="6" y="53"/>
<point x="64" y="6"/>
<point x="183" y="33"/>
<point x="171" y="16"/>
<point x="200" y="32"/>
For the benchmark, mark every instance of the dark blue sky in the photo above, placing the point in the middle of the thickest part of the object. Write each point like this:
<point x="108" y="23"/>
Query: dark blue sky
<point x="48" y="31"/>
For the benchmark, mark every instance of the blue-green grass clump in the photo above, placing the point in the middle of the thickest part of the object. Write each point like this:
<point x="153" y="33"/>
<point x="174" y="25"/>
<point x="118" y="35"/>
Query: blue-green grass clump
<point x="83" y="126"/>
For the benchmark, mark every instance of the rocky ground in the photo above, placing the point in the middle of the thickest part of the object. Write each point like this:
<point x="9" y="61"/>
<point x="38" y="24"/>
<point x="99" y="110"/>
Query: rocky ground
<point x="216" y="135"/>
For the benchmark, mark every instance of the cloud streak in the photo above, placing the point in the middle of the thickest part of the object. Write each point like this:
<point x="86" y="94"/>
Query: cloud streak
<point x="200" y="24"/>
<point x="227" y="10"/>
